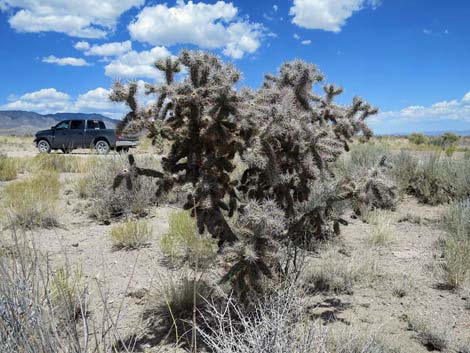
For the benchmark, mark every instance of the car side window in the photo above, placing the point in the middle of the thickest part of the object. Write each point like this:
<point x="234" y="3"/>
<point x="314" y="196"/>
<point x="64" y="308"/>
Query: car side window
<point x="63" y="125"/>
<point x="102" y="126"/>
<point x="77" y="125"/>
<point x="91" y="125"/>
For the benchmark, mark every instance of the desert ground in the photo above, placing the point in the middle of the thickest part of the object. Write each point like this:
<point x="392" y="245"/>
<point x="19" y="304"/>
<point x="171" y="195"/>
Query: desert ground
<point x="384" y="267"/>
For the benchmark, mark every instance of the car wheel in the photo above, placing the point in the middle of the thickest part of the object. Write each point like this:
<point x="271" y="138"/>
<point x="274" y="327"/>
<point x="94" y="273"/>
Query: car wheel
<point x="44" y="146"/>
<point x="102" y="147"/>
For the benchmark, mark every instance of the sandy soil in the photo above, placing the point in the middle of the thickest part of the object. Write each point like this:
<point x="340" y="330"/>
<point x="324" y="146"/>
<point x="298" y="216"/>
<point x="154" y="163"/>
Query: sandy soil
<point x="82" y="242"/>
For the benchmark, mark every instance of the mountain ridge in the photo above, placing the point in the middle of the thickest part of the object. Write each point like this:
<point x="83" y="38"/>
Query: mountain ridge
<point x="21" y="122"/>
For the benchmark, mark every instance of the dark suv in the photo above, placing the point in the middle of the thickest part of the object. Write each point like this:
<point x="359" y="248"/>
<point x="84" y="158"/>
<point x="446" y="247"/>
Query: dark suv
<point x="72" y="134"/>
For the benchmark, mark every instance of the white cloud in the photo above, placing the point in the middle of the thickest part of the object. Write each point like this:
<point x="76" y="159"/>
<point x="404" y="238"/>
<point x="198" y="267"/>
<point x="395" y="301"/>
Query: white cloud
<point x="208" y="26"/>
<point x="42" y="101"/>
<point x="456" y="110"/>
<point x="68" y="61"/>
<point x="77" y="18"/>
<point x="306" y="42"/>
<point x="275" y="8"/>
<point x="137" y="64"/>
<point x="107" y="49"/>
<point x="328" y="15"/>
<point x="50" y="100"/>
<point x="296" y="36"/>
<point x="82" y="45"/>
<point x="427" y="31"/>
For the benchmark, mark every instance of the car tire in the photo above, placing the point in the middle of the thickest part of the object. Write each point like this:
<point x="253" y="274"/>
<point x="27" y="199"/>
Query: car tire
<point x="44" y="146"/>
<point x="102" y="147"/>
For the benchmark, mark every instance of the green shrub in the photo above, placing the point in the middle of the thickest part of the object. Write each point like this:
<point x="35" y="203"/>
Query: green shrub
<point x="445" y="140"/>
<point x="418" y="139"/>
<point x="33" y="202"/>
<point x="131" y="235"/>
<point x="456" y="247"/>
<point x="184" y="243"/>
<point x="8" y="168"/>
<point x="450" y="151"/>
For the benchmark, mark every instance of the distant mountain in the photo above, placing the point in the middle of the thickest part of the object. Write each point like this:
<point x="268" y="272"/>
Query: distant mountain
<point x="19" y="122"/>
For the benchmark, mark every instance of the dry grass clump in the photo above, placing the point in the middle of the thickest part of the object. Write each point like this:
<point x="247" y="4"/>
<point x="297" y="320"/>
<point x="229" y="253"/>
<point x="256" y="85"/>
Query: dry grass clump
<point x="131" y="235"/>
<point x="169" y="310"/>
<point x="33" y="202"/>
<point x="338" y="273"/>
<point x="67" y="293"/>
<point x="402" y="286"/>
<point x="456" y="247"/>
<point x="430" y="335"/>
<point x="104" y="203"/>
<point x="8" y="168"/>
<point x="184" y="243"/>
<point x="381" y="231"/>
<point x="63" y="163"/>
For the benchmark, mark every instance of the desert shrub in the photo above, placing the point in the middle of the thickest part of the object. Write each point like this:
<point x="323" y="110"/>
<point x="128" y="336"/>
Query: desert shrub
<point x="169" y="309"/>
<point x="40" y="310"/>
<point x="434" y="337"/>
<point x="281" y="325"/>
<point x="456" y="247"/>
<point x="130" y="235"/>
<point x="184" y="243"/>
<point x="433" y="179"/>
<point x="337" y="273"/>
<point x="104" y="203"/>
<point x="33" y="202"/>
<point x="8" y="168"/>
<point x="418" y="139"/>
<point x="450" y="151"/>
<point x="445" y="140"/>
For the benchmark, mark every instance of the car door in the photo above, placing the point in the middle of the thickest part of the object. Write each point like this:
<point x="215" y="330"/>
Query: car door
<point x="76" y="134"/>
<point x="92" y="130"/>
<point x="61" y="134"/>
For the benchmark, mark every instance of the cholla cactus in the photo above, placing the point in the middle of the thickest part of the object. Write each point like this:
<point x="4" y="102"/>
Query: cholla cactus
<point x="376" y="189"/>
<point x="198" y="119"/>
<point x="294" y="136"/>
<point x="287" y="136"/>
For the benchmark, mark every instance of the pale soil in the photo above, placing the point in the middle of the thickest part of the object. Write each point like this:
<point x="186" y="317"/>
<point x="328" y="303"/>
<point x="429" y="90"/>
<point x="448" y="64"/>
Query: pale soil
<point x="82" y="242"/>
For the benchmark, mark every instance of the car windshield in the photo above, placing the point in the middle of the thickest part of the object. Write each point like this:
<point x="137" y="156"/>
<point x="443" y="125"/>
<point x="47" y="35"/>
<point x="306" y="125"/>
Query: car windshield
<point x="62" y="125"/>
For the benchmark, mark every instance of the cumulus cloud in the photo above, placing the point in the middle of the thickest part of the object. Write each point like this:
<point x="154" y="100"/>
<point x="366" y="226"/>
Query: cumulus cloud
<point x="107" y="49"/>
<point x="42" y="101"/>
<point x="68" y="61"/>
<point x="77" y="18"/>
<point x="441" y="114"/>
<point x="50" y="100"/>
<point x="328" y="15"/>
<point x="137" y="64"/>
<point x="208" y="26"/>
<point x="82" y="45"/>
<point x="306" y="42"/>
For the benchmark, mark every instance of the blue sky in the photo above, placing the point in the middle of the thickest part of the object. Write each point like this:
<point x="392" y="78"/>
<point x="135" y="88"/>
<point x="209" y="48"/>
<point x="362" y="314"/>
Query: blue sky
<point x="410" y="58"/>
